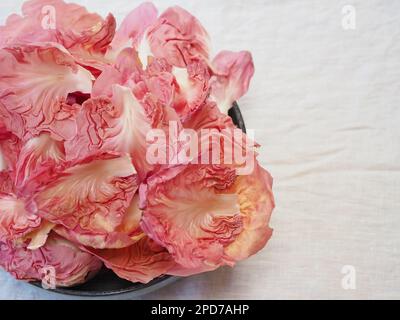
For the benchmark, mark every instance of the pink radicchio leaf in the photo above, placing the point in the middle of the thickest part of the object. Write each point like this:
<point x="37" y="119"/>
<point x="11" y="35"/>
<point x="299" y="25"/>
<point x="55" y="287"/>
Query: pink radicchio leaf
<point x="256" y="201"/>
<point x="15" y="220"/>
<point x="10" y="122"/>
<point x="10" y="148"/>
<point x="208" y="116"/>
<point x="37" y="153"/>
<point x="193" y="88"/>
<point x="96" y="117"/>
<point x="141" y="262"/>
<point x="205" y="223"/>
<point x="136" y="125"/>
<point x="35" y="81"/>
<point x="85" y="35"/>
<point x="160" y="87"/>
<point x="23" y="30"/>
<point x="119" y="124"/>
<point x="18" y="261"/>
<point x="38" y="237"/>
<point x="125" y="234"/>
<point x="156" y="66"/>
<point x="116" y="124"/>
<point x="3" y="130"/>
<point x="178" y="37"/>
<point x="90" y="198"/>
<point x="191" y="219"/>
<point x="18" y="221"/>
<point x="58" y="258"/>
<point x="133" y="29"/>
<point x="219" y="141"/>
<point x="6" y="182"/>
<point x="126" y="71"/>
<point x="232" y="75"/>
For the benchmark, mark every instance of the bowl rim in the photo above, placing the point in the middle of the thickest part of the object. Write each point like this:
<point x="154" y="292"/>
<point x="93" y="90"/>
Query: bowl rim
<point x="137" y="288"/>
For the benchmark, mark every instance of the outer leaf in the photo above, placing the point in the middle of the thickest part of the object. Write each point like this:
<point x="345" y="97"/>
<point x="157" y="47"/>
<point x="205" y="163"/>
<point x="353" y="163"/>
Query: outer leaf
<point x="133" y="29"/>
<point x="41" y="151"/>
<point x="233" y="72"/>
<point x="86" y="35"/>
<point x="125" y="234"/>
<point x="205" y="219"/>
<point x="35" y="81"/>
<point x="193" y="88"/>
<point x="71" y="266"/>
<point x="178" y="37"/>
<point x="141" y="262"/>
<point x="191" y="219"/>
<point x="15" y="220"/>
<point x="90" y="199"/>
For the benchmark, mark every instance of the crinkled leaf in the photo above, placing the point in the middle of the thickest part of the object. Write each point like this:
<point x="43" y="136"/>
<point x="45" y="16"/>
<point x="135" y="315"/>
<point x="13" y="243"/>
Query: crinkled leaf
<point x="178" y="37"/>
<point x="58" y="257"/>
<point x="90" y="198"/>
<point x="133" y="29"/>
<point x="233" y="72"/>
<point x="35" y="81"/>
<point x="141" y="262"/>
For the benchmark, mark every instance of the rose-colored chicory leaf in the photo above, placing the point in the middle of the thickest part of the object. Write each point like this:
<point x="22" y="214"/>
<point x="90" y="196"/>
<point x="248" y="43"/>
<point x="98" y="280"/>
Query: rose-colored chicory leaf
<point x="178" y="37"/>
<point x="6" y="182"/>
<point x="141" y="262"/>
<point x="193" y="88"/>
<point x="15" y="220"/>
<point x="189" y="217"/>
<point x="126" y="71"/>
<point x="85" y="35"/>
<point x="38" y="237"/>
<point x="37" y="152"/>
<point x="256" y="201"/>
<point x="219" y="141"/>
<point x="125" y="234"/>
<point x="209" y="117"/>
<point x="206" y="216"/>
<point x="133" y="29"/>
<point x="119" y="124"/>
<point x="90" y="198"/>
<point x="58" y="257"/>
<point x="233" y="72"/>
<point x="3" y="129"/>
<point x="10" y="148"/>
<point x="35" y="81"/>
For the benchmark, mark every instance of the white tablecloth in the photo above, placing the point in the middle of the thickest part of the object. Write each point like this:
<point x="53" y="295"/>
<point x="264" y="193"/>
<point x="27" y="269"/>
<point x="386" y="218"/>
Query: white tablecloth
<point x="325" y="104"/>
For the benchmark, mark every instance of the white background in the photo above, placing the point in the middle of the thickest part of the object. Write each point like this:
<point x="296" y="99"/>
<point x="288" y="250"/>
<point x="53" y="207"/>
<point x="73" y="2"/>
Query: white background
<point x="325" y="104"/>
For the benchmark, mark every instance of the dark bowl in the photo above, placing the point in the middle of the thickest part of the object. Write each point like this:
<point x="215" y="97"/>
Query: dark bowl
<point x="106" y="283"/>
